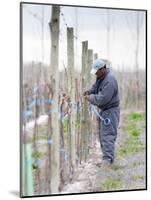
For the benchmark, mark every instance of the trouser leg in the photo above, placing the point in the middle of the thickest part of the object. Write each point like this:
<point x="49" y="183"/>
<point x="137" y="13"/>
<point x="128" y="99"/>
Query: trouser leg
<point x="108" y="134"/>
<point x="99" y="132"/>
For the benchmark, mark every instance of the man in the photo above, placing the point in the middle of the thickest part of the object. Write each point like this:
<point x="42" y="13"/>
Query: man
<point x="104" y="94"/>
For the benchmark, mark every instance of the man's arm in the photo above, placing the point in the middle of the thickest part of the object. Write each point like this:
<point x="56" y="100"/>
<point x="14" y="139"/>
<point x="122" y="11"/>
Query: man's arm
<point x="92" y="90"/>
<point x="104" y="96"/>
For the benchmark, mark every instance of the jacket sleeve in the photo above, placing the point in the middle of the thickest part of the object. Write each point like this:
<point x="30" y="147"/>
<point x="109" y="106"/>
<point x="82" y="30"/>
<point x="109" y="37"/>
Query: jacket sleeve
<point x="104" y="96"/>
<point x="92" y="90"/>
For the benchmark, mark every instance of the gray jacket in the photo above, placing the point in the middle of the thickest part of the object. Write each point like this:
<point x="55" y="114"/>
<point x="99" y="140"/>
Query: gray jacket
<point x="104" y="93"/>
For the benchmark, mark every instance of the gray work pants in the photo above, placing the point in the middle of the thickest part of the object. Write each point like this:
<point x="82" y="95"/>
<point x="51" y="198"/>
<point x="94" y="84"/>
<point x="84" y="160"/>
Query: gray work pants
<point x="108" y="134"/>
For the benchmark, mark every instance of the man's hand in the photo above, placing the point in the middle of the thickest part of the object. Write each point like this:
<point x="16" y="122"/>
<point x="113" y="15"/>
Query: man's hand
<point x="86" y="97"/>
<point x="85" y="93"/>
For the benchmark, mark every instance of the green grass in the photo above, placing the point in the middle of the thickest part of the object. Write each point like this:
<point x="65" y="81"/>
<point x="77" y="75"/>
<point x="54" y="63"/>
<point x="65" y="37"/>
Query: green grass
<point x="116" y="167"/>
<point x="111" y="184"/>
<point x="138" y="177"/>
<point x="137" y="116"/>
<point x="135" y="164"/>
<point x="37" y="154"/>
<point x="135" y="133"/>
<point x="134" y="125"/>
<point x="132" y="129"/>
<point x="130" y="148"/>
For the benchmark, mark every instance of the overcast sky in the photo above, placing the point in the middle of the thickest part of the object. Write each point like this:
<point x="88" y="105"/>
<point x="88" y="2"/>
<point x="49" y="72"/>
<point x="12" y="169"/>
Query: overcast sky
<point x="89" y="24"/>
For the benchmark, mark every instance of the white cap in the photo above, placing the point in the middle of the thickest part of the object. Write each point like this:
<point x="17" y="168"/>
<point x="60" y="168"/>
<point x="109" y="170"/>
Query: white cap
<point x="98" y="64"/>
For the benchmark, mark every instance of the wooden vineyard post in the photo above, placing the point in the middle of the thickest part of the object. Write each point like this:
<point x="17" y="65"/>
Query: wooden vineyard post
<point x="49" y="136"/>
<point x="95" y="56"/>
<point x="63" y="154"/>
<point x="89" y="78"/>
<point x="84" y="128"/>
<point x="71" y="92"/>
<point x="35" y="130"/>
<point x="77" y="96"/>
<point x="27" y="170"/>
<point x="55" y="140"/>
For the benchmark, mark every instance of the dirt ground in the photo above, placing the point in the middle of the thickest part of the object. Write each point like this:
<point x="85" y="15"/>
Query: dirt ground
<point x="127" y="173"/>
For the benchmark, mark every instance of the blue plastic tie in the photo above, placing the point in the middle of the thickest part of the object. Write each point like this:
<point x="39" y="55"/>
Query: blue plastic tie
<point x="106" y="121"/>
<point x="50" y="141"/>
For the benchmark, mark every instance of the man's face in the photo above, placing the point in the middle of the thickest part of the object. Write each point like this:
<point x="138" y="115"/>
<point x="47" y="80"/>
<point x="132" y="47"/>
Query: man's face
<point x="100" y="72"/>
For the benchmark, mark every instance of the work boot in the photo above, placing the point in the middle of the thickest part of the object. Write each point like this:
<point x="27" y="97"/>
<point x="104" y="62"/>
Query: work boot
<point x="104" y="164"/>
